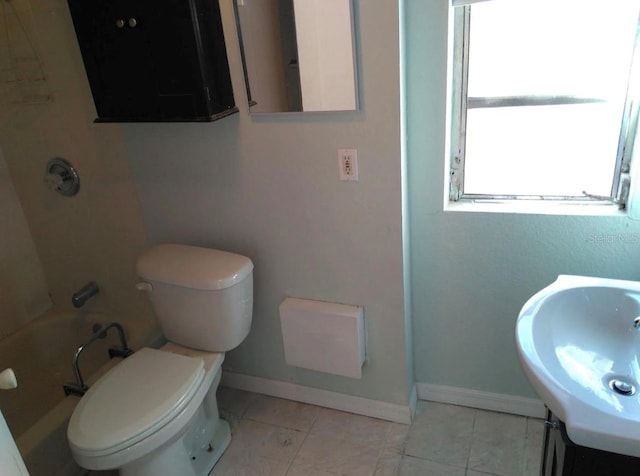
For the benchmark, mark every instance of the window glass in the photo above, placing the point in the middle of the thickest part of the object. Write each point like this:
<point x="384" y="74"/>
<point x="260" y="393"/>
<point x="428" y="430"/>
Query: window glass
<point x="572" y="59"/>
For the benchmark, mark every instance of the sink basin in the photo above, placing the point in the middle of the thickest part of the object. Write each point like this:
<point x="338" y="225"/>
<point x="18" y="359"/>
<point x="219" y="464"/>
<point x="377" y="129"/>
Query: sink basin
<point x="579" y="348"/>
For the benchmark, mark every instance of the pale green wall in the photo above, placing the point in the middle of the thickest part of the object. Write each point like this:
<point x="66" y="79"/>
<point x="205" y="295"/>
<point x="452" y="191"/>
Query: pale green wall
<point x="268" y="187"/>
<point x="471" y="272"/>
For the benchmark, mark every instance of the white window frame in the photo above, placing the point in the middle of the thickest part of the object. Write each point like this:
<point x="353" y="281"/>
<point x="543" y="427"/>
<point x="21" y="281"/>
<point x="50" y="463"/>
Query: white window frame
<point x="460" y="103"/>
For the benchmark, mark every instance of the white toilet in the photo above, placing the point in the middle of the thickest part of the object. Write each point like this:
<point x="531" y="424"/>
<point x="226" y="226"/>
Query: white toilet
<point x="155" y="413"/>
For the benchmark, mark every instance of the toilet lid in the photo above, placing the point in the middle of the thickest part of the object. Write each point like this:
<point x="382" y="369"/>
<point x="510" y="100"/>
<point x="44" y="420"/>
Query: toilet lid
<point x="134" y="399"/>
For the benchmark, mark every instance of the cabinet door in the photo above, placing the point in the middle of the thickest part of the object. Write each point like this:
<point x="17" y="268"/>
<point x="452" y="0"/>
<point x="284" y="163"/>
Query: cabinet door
<point x="590" y="462"/>
<point x="141" y="58"/>
<point x="176" y="58"/>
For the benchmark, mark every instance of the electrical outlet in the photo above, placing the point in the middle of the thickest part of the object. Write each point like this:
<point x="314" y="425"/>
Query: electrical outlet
<point x="348" y="164"/>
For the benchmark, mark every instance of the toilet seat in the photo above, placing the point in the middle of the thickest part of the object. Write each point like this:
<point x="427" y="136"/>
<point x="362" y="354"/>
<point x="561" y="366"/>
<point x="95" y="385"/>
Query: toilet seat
<point x="134" y="400"/>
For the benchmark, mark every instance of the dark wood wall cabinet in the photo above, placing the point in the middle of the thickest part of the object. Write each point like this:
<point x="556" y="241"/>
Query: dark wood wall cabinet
<point x="562" y="457"/>
<point x="154" y="61"/>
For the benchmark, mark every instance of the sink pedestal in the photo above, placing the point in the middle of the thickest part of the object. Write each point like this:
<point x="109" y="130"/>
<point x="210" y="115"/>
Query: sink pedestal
<point x="562" y="457"/>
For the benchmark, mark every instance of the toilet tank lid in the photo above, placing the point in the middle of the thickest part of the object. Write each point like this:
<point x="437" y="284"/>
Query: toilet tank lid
<point x="193" y="267"/>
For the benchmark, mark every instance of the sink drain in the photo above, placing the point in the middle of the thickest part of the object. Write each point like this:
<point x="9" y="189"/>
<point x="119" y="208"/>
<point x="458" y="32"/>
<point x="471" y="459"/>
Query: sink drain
<point x="622" y="387"/>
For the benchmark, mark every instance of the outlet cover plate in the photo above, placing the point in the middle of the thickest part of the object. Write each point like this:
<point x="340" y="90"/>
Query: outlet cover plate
<point x="348" y="164"/>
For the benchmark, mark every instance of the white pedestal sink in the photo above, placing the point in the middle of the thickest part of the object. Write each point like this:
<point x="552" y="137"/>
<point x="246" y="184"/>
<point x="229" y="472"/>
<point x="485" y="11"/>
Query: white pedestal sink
<point x="581" y="351"/>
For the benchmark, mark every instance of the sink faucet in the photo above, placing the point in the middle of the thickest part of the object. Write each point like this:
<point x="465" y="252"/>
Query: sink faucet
<point x="636" y="323"/>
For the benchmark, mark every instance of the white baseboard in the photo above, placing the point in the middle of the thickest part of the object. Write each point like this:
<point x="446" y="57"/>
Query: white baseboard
<point x="324" y="398"/>
<point x="384" y="410"/>
<point x="483" y="400"/>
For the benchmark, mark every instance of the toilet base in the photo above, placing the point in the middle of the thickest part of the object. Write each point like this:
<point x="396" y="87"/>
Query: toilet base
<point x="177" y="459"/>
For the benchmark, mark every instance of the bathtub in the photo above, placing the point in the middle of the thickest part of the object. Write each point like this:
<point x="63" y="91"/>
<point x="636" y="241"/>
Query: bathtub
<point x="41" y="356"/>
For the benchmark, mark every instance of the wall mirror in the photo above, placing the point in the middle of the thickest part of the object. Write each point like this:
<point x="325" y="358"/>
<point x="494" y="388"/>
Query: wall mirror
<point x="298" y="55"/>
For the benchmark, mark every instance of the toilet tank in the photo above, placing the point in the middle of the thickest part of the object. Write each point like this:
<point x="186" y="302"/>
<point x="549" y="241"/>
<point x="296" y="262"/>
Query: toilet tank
<point x="203" y="298"/>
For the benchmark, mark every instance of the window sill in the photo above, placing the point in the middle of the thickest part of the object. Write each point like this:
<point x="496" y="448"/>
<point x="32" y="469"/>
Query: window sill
<point x="536" y="207"/>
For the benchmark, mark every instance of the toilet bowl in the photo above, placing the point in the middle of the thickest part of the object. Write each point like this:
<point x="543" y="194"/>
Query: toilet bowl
<point x="146" y="403"/>
<point x="155" y="413"/>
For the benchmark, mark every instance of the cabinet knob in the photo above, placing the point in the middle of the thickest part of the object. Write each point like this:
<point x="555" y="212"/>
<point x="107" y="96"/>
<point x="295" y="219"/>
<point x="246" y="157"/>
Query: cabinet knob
<point x="119" y="23"/>
<point x="133" y="22"/>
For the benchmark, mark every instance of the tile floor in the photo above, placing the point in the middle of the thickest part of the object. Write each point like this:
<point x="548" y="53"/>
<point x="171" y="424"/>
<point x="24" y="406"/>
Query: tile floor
<point x="278" y="437"/>
<point x="275" y="437"/>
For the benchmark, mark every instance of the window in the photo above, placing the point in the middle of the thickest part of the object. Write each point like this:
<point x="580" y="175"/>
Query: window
<point x="543" y="101"/>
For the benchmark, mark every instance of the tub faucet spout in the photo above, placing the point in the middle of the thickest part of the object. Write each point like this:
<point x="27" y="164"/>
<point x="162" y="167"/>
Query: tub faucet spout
<point x="80" y="297"/>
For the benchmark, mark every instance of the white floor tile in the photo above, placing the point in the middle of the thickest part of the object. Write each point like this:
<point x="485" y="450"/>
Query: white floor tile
<point x="256" y="467"/>
<point x="410" y="466"/>
<point x="299" y="470"/>
<point x="253" y="443"/>
<point x="533" y="447"/>
<point x="284" y="413"/>
<point x="339" y="456"/>
<point x="498" y="444"/>
<point x="388" y="464"/>
<point x="441" y="433"/>
<point x="396" y="438"/>
<point x="348" y="426"/>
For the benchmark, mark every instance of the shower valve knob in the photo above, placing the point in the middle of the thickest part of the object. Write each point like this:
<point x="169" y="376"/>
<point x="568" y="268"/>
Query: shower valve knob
<point x="61" y="177"/>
